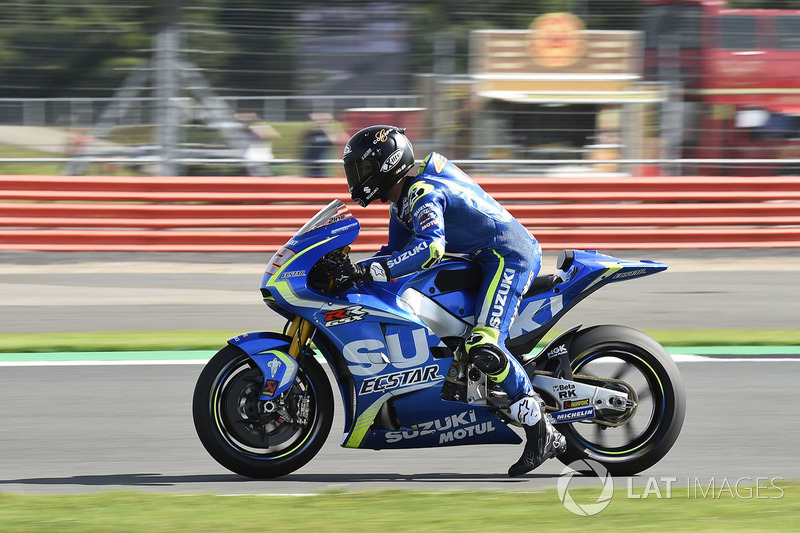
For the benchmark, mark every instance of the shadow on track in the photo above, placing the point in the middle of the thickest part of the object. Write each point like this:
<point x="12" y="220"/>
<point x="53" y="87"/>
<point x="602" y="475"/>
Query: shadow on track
<point x="159" y="480"/>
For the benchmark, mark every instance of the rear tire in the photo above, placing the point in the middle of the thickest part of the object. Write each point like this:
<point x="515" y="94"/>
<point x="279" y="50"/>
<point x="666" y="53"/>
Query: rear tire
<point x="256" y="438"/>
<point x="640" y="441"/>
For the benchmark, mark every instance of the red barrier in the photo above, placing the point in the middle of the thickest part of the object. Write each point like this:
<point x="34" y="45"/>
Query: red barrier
<point x="322" y="190"/>
<point x="260" y="214"/>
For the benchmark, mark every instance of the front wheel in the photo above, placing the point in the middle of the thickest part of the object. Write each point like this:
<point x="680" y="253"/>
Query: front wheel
<point x="253" y="437"/>
<point x="629" y="361"/>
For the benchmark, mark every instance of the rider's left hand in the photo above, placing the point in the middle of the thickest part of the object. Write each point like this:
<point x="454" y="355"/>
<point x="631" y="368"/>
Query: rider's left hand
<point x="349" y="275"/>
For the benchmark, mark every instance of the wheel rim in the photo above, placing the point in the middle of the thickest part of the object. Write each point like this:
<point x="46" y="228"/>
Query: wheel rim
<point x="263" y="430"/>
<point x="639" y="431"/>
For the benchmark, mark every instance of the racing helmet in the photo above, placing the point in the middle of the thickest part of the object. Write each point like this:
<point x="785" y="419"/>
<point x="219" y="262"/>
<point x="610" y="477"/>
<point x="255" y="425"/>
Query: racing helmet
<point x="375" y="159"/>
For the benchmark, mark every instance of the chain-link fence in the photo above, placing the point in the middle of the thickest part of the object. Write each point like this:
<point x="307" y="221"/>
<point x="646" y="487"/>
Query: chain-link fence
<point x="654" y="87"/>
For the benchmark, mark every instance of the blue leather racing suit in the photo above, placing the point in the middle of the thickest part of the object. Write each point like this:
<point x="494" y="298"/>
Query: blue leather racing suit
<point x="444" y="210"/>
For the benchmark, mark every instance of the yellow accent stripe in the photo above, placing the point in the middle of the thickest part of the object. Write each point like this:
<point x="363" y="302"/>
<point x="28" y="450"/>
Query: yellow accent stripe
<point x="288" y="361"/>
<point x="364" y="421"/>
<point x="488" y="335"/>
<point x="490" y="294"/>
<point x="426" y="188"/>
<point x="436" y="251"/>
<point x="424" y="163"/>
<point x="497" y="378"/>
<point x="282" y="286"/>
<point x="611" y="268"/>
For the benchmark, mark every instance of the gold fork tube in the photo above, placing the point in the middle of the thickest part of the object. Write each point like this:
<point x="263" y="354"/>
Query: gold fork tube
<point x="300" y="331"/>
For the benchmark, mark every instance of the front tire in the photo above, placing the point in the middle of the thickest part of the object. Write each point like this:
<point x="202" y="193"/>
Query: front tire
<point x="256" y="438"/>
<point x="627" y="445"/>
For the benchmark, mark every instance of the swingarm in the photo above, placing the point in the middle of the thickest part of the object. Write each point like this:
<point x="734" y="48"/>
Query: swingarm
<point x="579" y="399"/>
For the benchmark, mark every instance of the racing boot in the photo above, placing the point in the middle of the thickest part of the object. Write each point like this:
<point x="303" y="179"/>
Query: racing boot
<point x="543" y="441"/>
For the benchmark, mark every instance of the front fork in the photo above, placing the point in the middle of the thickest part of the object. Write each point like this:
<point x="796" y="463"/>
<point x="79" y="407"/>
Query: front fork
<point x="301" y="331"/>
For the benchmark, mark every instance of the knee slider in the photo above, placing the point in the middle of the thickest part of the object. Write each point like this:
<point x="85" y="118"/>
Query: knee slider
<point x="488" y="358"/>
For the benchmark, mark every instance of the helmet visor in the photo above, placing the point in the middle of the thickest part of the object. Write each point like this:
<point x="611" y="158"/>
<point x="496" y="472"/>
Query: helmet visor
<point x="358" y="171"/>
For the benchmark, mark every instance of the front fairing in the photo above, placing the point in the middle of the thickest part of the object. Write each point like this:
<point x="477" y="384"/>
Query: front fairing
<point x="285" y="281"/>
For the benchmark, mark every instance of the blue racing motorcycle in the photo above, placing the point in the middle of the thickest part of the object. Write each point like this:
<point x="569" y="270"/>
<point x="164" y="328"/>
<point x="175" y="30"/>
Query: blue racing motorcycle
<point x="263" y="405"/>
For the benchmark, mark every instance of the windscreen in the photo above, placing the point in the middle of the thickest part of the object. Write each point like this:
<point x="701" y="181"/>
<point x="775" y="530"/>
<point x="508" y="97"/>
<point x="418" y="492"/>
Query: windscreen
<point x="331" y="213"/>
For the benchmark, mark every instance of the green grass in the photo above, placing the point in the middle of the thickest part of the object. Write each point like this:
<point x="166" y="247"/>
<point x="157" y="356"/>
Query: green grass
<point x="726" y="337"/>
<point x="115" y="341"/>
<point x="215" y="339"/>
<point x="396" y="511"/>
<point x="14" y="169"/>
<point x="288" y="146"/>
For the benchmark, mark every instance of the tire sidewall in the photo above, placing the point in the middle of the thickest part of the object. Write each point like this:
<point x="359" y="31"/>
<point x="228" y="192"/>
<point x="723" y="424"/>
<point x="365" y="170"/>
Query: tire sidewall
<point x="652" y="354"/>
<point x="232" y="458"/>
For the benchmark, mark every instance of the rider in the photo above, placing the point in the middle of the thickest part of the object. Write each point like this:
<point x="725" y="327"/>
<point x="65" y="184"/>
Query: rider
<point x="443" y="210"/>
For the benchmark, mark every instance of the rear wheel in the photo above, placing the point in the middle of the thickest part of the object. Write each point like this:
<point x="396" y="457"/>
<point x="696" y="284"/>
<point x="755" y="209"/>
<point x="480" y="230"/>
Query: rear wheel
<point x="627" y="360"/>
<point x="253" y="437"/>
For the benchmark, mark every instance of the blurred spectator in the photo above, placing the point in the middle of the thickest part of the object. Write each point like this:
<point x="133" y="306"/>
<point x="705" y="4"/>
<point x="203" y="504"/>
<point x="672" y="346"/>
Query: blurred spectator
<point x="259" y="136"/>
<point x="317" y="141"/>
<point x="80" y="141"/>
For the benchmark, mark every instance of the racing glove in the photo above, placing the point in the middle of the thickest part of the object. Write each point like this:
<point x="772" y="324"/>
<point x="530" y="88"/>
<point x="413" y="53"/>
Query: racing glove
<point x="350" y="274"/>
<point x="379" y="271"/>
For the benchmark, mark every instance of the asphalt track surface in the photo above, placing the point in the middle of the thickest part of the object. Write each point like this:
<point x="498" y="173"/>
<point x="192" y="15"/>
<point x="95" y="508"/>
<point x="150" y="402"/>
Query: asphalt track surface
<point x="76" y="429"/>
<point x="63" y="292"/>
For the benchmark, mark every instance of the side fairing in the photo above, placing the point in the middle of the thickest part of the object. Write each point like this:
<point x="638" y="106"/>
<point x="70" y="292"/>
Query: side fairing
<point x="393" y="358"/>
<point x="588" y="271"/>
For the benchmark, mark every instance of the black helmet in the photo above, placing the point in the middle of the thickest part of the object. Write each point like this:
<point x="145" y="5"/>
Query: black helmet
<point x="375" y="159"/>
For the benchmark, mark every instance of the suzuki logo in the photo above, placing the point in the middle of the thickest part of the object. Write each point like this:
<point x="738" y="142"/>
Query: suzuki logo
<point x="368" y="357"/>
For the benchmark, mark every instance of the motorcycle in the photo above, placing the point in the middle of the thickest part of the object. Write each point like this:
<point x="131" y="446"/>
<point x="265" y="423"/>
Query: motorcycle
<point x="263" y="405"/>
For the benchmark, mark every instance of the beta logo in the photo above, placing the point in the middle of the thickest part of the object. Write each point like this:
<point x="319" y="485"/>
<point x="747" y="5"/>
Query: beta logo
<point x="565" y="391"/>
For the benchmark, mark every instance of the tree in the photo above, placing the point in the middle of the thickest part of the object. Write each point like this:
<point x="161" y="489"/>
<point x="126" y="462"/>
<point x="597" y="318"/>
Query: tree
<point x="244" y="47"/>
<point x="79" y="50"/>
